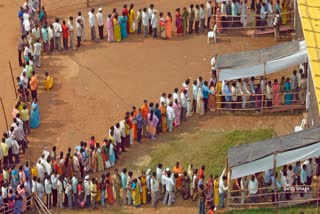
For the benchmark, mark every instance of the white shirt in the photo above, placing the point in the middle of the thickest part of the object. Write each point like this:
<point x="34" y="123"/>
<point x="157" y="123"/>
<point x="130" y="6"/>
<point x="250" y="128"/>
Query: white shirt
<point x="201" y="13"/>
<point x="154" y="185"/>
<point x="59" y="187"/>
<point x="159" y="174"/>
<point x="169" y="184"/>
<point x="92" y="21"/>
<point x="40" y="170"/>
<point x="154" y="21"/>
<point x="162" y="99"/>
<point x="116" y="135"/>
<point x="170" y="113"/>
<point x="253" y="186"/>
<point x="269" y="92"/>
<point x="78" y="29"/>
<point x="47" y="186"/>
<point x="122" y="129"/>
<point x="222" y="187"/>
<point x="308" y="168"/>
<point x="183" y="100"/>
<point x="37" y="49"/>
<point x="167" y="102"/>
<point x="54" y="181"/>
<point x="50" y="33"/>
<point x="175" y="96"/>
<point x="145" y="19"/>
<point x="26" y="25"/>
<point x="87" y="190"/>
<point x="150" y="13"/>
<point x="239" y="88"/>
<point x="245" y="88"/>
<point x="70" y="26"/>
<point x="36" y="33"/>
<point x="209" y="9"/>
<point x="26" y="17"/>
<point x="99" y="16"/>
<point x="57" y="29"/>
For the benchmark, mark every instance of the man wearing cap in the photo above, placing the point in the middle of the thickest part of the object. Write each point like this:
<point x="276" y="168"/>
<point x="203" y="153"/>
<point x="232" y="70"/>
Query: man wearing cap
<point x="87" y="190"/>
<point x="99" y="16"/>
<point x="92" y="23"/>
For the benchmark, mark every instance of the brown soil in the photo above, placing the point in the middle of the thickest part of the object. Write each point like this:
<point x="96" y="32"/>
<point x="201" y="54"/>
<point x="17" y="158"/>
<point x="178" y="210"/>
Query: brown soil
<point x="97" y="84"/>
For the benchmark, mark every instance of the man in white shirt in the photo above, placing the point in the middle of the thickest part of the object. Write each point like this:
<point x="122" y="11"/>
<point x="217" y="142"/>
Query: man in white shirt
<point x="184" y="104"/>
<point x="243" y="13"/>
<point x="57" y="29"/>
<point x="80" y="20"/>
<point x="40" y="170"/>
<point x="100" y="22"/>
<point x="87" y="190"/>
<point x="185" y="85"/>
<point x="60" y="192"/>
<point x="154" y="24"/>
<point x="150" y="13"/>
<point x="175" y="95"/>
<point x="51" y="37"/>
<point x="71" y="32"/>
<point x="78" y="32"/>
<point x="92" y="23"/>
<point x="145" y="21"/>
<point x="163" y="98"/>
<point x="209" y="13"/>
<point x="37" y="53"/>
<point x="196" y="18"/>
<point x="169" y="189"/>
<point x="27" y="25"/>
<point x="117" y="137"/>
<point x="270" y="13"/>
<point x="159" y="176"/>
<point x="194" y="95"/>
<point x="154" y="187"/>
<point x="253" y="188"/>
<point x="170" y="116"/>
<point x="54" y="185"/>
<point x="202" y="18"/>
<point x="246" y="93"/>
<point x="239" y="93"/>
<point x="222" y="189"/>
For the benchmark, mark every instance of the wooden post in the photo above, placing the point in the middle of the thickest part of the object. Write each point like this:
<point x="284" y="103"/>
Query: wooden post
<point x="14" y="85"/>
<point x="88" y="3"/>
<point x="274" y="178"/>
<point x="4" y="114"/>
<point x="318" y="195"/>
<point x="228" y="185"/>
<point x="265" y="85"/>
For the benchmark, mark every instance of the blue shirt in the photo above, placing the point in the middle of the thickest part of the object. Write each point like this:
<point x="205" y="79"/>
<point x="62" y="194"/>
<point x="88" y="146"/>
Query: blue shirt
<point x="303" y="176"/>
<point x="139" y="121"/>
<point x="74" y="182"/>
<point x="227" y="92"/>
<point x="44" y="33"/>
<point x="206" y="91"/>
<point x="124" y="180"/>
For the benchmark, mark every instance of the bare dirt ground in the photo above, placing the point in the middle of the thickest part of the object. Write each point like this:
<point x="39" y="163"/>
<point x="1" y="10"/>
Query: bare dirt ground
<point x="97" y="84"/>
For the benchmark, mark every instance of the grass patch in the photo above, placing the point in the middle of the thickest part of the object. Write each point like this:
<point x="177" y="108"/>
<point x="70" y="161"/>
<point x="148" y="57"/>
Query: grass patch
<point x="291" y="210"/>
<point x="203" y="147"/>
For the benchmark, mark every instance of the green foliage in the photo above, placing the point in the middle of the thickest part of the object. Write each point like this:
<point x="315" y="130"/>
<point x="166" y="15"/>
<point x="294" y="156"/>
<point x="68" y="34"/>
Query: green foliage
<point x="203" y="147"/>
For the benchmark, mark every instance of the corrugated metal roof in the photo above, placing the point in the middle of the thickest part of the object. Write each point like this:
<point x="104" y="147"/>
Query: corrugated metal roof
<point x="310" y="18"/>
